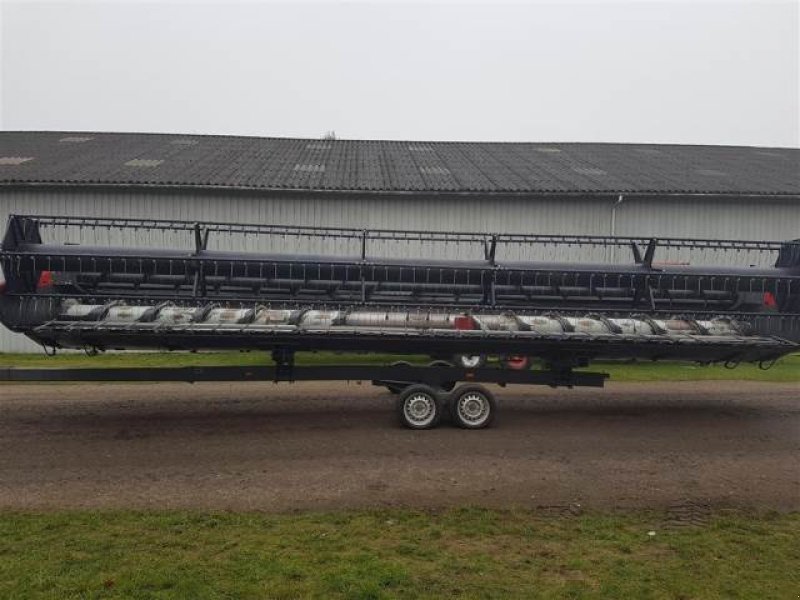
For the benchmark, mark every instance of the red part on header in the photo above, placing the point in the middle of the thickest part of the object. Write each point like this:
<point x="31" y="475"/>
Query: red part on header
<point x="45" y="279"/>
<point x="518" y="363"/>
<point x="464" y="322"/>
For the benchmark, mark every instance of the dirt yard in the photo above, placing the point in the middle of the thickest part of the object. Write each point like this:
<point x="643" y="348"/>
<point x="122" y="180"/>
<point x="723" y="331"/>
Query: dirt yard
<point x="330" y="445"/>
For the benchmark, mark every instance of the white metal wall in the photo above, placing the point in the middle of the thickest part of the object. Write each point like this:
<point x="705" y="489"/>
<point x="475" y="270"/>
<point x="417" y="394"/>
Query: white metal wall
<point x="759" y="218"/>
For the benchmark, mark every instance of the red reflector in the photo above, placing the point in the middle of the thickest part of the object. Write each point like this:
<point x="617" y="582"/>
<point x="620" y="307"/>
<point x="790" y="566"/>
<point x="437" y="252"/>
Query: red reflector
<point x="769" y="300"/>
<point x="464" y="322"/>
<point x="45" y="279"/>
<point x="517" y="362"/>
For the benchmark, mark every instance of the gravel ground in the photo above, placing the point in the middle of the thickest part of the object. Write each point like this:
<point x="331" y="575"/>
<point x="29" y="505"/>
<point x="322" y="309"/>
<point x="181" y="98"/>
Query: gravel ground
<point x="684" y="446"/>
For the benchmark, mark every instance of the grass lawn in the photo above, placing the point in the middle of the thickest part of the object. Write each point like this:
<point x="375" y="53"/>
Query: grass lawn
<point x="786" y="370"/>
<point x="471" y="553"/>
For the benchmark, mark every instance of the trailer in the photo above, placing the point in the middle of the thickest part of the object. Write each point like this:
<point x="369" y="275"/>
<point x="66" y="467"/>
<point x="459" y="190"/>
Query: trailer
<point x="460" y="298"/>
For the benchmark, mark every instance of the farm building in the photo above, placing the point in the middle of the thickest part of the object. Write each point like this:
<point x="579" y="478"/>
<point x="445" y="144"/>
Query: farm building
<point x="565" y="188"/>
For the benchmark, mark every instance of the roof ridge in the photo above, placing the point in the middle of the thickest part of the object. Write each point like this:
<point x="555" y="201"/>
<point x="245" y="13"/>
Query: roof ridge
<point x="389" y="141"/>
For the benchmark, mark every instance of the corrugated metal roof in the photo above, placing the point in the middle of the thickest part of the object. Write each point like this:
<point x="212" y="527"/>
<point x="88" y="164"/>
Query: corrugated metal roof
<point x="86" y="158"/>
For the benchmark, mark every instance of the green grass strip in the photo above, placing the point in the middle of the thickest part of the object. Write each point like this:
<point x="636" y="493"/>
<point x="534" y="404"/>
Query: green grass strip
<point x="469" y="553"/>
<point x="786" y="370"/>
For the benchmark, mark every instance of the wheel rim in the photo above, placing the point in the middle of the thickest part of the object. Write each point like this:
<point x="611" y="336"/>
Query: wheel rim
<point x="471" y="361"/>
<point x="473" y="408"/>
<point x="419" y="409"/>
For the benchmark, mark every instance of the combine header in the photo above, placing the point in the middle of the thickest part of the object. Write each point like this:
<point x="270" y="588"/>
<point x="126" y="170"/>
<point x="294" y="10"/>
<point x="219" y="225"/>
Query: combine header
<point x="565" y="300"/>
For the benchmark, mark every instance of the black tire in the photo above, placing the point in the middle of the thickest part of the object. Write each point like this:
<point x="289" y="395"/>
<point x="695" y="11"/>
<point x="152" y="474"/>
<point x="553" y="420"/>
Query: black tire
<point x="472" y="407"/>
<point x="469" y="361"/>
<point x="420" y="407"/>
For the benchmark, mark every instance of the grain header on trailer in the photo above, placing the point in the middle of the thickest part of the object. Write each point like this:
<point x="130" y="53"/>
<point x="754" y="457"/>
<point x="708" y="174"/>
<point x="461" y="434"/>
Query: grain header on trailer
<point x="100" y="284"/>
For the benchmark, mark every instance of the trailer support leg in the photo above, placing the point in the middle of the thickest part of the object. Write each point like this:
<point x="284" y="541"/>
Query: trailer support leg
<point x="284" y="364"/>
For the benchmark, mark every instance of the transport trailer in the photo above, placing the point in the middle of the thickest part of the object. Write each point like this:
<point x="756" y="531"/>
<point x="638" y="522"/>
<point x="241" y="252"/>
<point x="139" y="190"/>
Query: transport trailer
<point x="103" y="284"/>
<point x="426" y="394"/>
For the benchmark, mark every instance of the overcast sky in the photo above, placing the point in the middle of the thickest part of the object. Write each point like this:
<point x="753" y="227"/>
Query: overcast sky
<point x="685" y="72"/>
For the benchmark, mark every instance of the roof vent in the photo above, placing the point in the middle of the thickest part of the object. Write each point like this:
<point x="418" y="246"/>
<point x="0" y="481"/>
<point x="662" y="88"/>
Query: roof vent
<point x="309" y="168"/>
<point x="75" y="139"/>
<point x="319" y="146"/>
<point x="143" y="162"/>
<point x="589" y="171"/>
<point x="434" y="171"/>
<point x="14" y="160"/>
<point x="711" y="172"/>
<point x="420" y="148"/>
<point x="651" y="151"/>
<point x="184" y="142"/>
<point x="549" y="150"/>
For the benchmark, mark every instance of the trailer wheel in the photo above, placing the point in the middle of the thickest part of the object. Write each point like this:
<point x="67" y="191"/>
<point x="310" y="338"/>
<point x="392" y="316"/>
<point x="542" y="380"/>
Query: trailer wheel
<point x="419" y="407"/>
<point x="469" y="361"/>
<point x="472" y="407"/>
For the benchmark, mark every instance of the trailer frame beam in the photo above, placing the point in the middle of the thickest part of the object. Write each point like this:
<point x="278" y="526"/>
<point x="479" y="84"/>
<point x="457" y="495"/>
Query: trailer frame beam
<point x="378" y="375"/>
